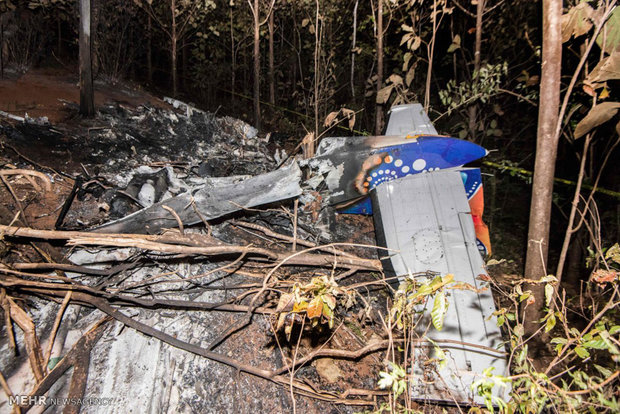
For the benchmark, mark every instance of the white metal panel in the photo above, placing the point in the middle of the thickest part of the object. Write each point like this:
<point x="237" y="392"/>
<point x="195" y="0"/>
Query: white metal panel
<point x="426" y="218"/>
<point x="409" y="119"/>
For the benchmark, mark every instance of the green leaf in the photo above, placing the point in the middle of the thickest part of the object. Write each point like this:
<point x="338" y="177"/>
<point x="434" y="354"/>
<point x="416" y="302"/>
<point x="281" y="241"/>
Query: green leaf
<point x="406" y="38"/>
<point x="548" y="295"/>
<point x="441" y="357"/>
<point x="440" y="307"/>
<point x="456" y="44"/>
<point x="395" y="79"/>
<point x="416" y="43"/>
<point x="424" y="290"/>
<point x="550" y="323"/>
<point x="604" y="371"/>
<point x="613" y="253"/>
<point x="582" y="352"/>
<point x="522" y="355"/>
<point x="519" y="330"/>
<point x="595" y="344"/>
<point x="406" y="60"/>
<point x="53" y="362"/>
<point x="410" y="75"/>
<point x="385" y="380"/>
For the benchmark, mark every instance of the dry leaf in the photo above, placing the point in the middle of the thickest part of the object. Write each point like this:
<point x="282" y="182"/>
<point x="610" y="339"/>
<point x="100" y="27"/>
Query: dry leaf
<point x="384" y="94"/>
<point x="331" y="118"/>
<point x="577" y="22"/>
<point x="609" y="38"/>
<point x="603" y="276"/>
<point x="598" y="115"/>
<point x="607" y="69"/>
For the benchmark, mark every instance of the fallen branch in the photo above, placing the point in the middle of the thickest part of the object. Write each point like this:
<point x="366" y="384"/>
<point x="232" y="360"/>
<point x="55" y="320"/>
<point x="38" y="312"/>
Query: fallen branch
<point x="60" y="290"/>
<point x="185" y="245"/>
<point x="57" y="321"/>
<point x="75" y="357"/>
<point x="33" y="348"/>
<point x="46" y="181"/>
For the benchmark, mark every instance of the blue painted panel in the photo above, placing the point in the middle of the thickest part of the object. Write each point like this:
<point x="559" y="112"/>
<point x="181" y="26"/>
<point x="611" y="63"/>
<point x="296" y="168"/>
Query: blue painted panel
<point x="423" y="154"/>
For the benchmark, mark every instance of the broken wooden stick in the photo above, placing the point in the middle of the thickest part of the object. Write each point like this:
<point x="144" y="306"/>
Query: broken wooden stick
<point x="185" y="245"/>
<point x="33" y="347"/>
<point x="78" y="356"/>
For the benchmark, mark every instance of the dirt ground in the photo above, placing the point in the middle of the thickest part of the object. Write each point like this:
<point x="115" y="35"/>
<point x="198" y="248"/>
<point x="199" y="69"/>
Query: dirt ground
<point x="44" y="92"/>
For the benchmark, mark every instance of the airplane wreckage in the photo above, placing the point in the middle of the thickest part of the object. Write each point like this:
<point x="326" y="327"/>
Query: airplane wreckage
<point x="427" y="209"/>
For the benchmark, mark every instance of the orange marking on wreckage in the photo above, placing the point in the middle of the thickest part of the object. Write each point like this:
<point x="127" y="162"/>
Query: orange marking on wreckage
<point x="367" y="165"/>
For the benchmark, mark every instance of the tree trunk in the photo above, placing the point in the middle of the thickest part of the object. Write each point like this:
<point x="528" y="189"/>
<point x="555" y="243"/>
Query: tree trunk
<point x="246" y="70"/>
<point x="173" y="49"/>
<point x="317" y="73"/>
<point x="233" y="58"/>
<point x="353" y="45"/>
<point x="546" y="152"/>
<point x="473" y="109"/>
<point x="379" y="107"/>
<point x="149" y="52"/>
<point x="574" y="262"/>
<point x="1" y="50"/>
<point x="272" y="75"/>
<point x="184" y="64"/>
<point x="256" y="15"/>
<point x="87" y="97"/>
<point x="431" y="53"/>
<point x="59" y="30"/>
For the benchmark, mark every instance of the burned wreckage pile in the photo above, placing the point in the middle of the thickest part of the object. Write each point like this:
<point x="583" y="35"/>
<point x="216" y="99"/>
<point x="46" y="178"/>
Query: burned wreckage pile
<point x="194" y="266"/>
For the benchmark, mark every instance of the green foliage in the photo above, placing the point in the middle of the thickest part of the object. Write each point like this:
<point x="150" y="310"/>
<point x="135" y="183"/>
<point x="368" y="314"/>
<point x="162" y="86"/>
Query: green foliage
<point x="583" y="375"/>
<point x="395" y="379"/>
<point x="484" y="387"/>
<point x="410" y="294"/>
<point x="484" y="86"/>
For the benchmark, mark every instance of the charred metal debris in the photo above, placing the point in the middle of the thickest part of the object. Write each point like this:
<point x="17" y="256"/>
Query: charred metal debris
<point x="149" y="250"/>
<point x="190" y="264"/>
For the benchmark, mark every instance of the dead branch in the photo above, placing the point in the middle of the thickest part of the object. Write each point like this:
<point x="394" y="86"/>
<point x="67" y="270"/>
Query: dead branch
<point x="195" y="349"/>
<point x="43" y="167"/>
<point x="33" y="347"/>
<point x="162" y="244"/>
<point x="17" y="202"/>
<point x="78" y="381"/>
<point x="57" y="321"/>
<point x="286" y="238"/>
<point x="7" y="319"/>
<point x="74" y="357"/>
<point x="176" y="217"/>
<point x="46" y="181"/>
<point x="59" y="290"/>
<point x="70" y="268"/>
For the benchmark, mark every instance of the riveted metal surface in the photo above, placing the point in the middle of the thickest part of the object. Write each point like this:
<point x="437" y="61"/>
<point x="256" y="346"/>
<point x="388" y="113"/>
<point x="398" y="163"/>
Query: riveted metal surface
<point x="425" y="220"/>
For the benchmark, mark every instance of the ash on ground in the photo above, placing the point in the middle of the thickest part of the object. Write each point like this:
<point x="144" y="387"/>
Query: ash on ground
<point x="129" y="158"/>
